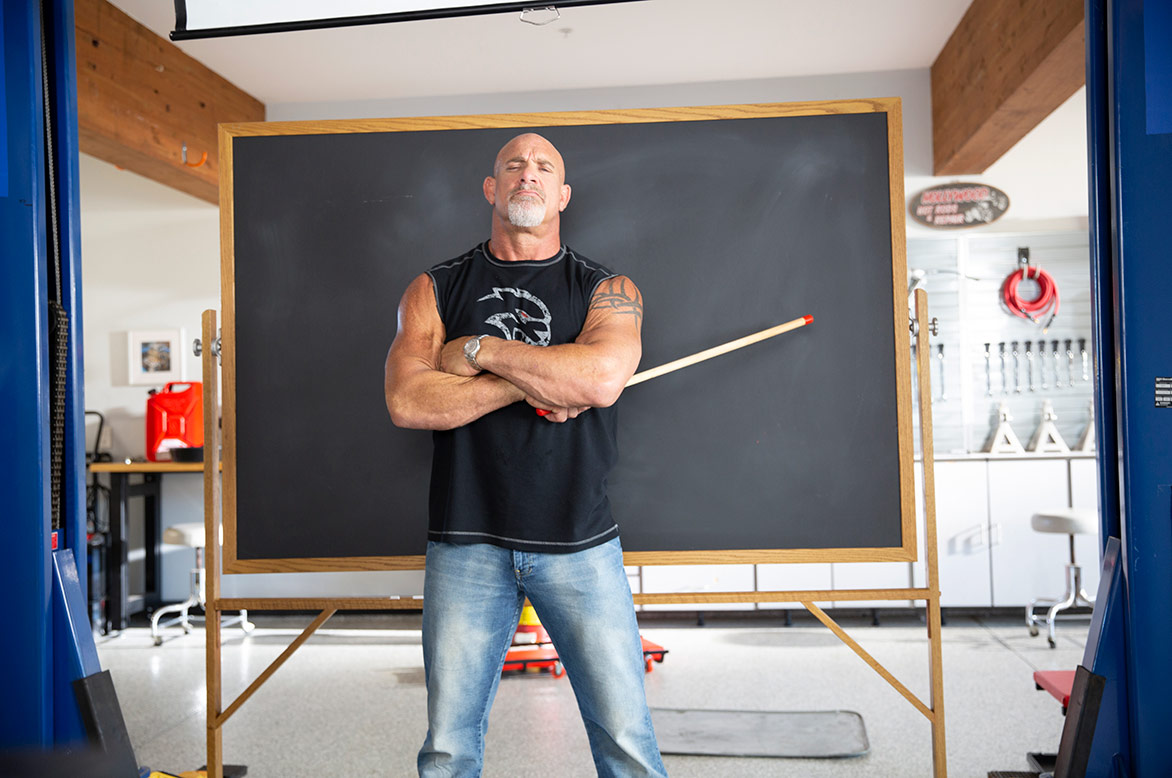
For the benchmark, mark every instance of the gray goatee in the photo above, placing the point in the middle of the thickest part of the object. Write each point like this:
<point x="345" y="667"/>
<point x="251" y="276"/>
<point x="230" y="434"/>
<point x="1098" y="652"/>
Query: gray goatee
<point x="526" y="211"/>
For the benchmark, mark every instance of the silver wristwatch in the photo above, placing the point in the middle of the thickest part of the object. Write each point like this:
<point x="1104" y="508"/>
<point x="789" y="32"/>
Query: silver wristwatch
<point x="471" y="349"/>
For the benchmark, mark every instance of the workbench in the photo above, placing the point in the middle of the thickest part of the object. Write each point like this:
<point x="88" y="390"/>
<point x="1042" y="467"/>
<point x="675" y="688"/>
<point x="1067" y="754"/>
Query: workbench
<point x="120" y="604"/>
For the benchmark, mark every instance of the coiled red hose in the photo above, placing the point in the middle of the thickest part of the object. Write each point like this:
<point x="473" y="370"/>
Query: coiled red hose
<point x="1032" y="310"/>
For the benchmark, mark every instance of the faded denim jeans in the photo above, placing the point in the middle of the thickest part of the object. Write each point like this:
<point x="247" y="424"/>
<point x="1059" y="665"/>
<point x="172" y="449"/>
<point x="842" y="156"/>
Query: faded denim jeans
<point x="472" y="602"/>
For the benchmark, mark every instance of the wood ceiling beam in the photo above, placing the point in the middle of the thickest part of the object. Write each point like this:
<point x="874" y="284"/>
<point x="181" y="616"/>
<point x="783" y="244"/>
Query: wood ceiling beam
<point x="1007" y="66"/>
<point x="140" y="99"/>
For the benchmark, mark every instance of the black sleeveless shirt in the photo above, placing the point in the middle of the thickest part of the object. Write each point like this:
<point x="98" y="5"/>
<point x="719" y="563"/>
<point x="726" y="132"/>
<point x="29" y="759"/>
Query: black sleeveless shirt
<point x="511" y="478"/>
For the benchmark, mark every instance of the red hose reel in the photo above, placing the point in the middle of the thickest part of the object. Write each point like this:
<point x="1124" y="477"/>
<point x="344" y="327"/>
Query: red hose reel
<point x="1035" y="308"/>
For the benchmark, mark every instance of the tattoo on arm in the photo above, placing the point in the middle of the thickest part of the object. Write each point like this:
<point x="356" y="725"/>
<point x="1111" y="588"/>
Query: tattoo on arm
<point x="618" y="295"/>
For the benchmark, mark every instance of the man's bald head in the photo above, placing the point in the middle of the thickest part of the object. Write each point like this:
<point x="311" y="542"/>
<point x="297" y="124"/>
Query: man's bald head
<point x="526" y="145"/>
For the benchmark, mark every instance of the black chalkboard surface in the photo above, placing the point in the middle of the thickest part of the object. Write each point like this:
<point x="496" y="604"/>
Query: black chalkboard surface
<point x="730" y="220"/>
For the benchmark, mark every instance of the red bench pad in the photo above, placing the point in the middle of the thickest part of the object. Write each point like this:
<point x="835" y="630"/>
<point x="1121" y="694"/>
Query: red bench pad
<point x="1057" y="682"/>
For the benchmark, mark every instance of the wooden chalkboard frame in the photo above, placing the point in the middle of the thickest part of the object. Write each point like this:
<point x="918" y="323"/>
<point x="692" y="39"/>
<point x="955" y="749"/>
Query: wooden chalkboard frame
<point x="906" y="552"/>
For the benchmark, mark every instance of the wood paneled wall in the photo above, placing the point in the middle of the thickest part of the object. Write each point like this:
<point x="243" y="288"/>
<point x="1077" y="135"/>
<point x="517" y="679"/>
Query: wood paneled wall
<point x="140" y="99"/>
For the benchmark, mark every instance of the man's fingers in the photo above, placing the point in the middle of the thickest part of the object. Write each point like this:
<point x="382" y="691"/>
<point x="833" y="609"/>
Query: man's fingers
<point x="556" y="415"/>
<point x="560" y="414"/>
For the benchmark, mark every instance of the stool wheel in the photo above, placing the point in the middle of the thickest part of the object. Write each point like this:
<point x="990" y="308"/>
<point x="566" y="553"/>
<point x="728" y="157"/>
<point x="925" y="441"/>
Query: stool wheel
<point x="247" y="626"/>
<point x="158" y="641"/>
<point x="1033" y="631"/>
<point x="1051" y="642"/>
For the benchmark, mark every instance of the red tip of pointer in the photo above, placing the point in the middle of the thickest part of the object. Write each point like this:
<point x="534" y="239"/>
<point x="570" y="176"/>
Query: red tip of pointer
<point x="809" y="319"/>
<point x="543" y="412"/>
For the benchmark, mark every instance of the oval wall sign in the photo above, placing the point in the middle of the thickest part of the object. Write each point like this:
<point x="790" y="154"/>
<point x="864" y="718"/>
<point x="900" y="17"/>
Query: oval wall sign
<point x="959" y="205"/>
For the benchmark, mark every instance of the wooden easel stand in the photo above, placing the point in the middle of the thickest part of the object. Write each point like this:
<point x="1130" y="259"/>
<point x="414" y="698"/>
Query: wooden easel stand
<point x="933" y="710"/>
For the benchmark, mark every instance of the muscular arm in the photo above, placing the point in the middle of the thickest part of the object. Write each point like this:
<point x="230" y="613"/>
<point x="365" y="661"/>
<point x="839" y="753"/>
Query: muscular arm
<point x="588" y="373"/>
<point x="419" y="394"/>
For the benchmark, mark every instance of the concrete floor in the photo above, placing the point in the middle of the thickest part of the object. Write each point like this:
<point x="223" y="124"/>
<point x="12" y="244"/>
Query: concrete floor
<point x="351" y="701"/>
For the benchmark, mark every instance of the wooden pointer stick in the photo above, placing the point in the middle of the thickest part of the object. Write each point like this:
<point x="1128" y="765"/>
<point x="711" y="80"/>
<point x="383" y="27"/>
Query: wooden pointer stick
<point x="715" y="351"/>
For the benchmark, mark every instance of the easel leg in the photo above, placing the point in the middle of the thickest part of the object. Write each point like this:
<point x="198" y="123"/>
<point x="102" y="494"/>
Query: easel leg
<point x="215" y="751"/>
<point x="211" y="497"/>
<point x="935" y="645"/>
<point x="936" y="678"/>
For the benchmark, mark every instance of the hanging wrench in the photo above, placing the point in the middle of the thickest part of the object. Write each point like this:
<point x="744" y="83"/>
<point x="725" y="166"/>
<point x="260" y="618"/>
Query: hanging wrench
<point x="1004" y="375"/>
<point x="1086" y="359"/>
<point x="1016" y="368"/>
<point x="1029" y="353"/>
<point x="1042" y="362"/>
<point x="1069" y="365"/>
<point x="940" y="359"/>
<point x="988" y="370"/>
<point x="1057" y="363"/>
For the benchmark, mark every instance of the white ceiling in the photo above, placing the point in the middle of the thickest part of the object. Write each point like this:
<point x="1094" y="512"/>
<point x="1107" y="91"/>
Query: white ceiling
<point x="641" y="43"/>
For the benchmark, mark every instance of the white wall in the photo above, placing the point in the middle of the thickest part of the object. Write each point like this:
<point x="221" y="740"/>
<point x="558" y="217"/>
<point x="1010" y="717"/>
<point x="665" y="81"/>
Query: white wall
<point x="149" y="260"/>
<point x="1044" y="174"/>
<point x="150" y="255"/>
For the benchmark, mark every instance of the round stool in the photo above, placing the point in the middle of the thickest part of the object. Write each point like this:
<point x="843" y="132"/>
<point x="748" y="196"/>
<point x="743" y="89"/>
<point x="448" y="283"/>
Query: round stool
<point x="191" y="534"/>
<point x="1070" y="522"/>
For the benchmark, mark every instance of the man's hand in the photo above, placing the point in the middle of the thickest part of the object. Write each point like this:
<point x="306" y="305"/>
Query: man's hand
<point x="452" y="359"/>
<point x="552" y="413"/>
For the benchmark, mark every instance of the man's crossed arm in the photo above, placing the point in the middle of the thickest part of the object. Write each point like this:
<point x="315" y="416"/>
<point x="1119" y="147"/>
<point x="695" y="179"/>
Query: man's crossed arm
<point x="430" y="385"/>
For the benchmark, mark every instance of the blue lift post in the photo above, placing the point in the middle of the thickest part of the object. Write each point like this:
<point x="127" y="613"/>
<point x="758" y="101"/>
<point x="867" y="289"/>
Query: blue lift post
<point x="1129" y="101"/>
<point x="51" y="645"/>
<point x="74" y="653"/>
<point x="26" y="718"/>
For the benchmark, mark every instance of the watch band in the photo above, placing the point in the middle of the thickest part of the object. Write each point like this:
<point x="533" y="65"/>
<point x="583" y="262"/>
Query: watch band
<point x="471" y="349"/>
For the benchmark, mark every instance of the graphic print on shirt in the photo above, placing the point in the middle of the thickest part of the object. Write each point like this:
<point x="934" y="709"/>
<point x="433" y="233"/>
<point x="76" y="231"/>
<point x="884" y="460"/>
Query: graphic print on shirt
<point x="525" y="318"/>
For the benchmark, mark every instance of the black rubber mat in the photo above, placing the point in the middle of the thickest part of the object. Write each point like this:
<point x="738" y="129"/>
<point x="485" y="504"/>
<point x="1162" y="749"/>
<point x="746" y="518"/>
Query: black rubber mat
<point x="795" y="734"/>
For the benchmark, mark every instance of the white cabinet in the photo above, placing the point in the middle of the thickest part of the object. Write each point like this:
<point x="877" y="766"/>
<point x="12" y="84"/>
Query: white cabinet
<point x="793" y="578"/>
<point x="1084" y="495"/>
<point x="962" y="534"/>
<point x="698" y="578"/>
<point x="871" y="575"/>
<point x="1026" y="564"/>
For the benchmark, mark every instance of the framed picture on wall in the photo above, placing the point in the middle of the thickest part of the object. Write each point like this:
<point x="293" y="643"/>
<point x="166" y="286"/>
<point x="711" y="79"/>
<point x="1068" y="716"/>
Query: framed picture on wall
<point x="155" y="356"/>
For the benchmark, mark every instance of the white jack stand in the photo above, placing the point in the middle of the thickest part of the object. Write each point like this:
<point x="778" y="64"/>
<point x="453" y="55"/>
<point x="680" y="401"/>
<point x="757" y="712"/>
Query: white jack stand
<point x="1046" y="439"/>
<point x="1003" y="440"/>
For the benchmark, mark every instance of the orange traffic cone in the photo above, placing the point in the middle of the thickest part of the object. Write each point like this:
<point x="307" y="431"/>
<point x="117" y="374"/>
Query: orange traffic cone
<point x="529" y="630"/>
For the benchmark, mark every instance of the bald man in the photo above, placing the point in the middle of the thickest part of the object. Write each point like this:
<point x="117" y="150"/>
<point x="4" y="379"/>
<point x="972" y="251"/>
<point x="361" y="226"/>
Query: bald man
<point x="515" y="353"/>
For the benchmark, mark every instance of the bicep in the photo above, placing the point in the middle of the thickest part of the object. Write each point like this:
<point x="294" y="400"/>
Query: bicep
<point x="615" y="320"/>
<point x="420" y="334"/>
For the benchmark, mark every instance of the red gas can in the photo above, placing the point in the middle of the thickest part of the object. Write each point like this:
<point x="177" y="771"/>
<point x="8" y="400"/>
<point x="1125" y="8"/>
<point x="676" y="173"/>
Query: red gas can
<point x="174" y="419"/>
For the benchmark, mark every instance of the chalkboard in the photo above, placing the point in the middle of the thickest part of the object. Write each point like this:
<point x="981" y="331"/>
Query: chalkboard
<point x="730" y="219"/>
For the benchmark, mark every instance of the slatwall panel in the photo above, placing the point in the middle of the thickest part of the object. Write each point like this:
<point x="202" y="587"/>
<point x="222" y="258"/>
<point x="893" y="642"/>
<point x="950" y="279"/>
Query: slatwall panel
<point x="964" y="277"/>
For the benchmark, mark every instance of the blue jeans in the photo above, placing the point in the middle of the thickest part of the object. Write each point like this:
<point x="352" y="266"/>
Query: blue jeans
<point x="472" y="600"/>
